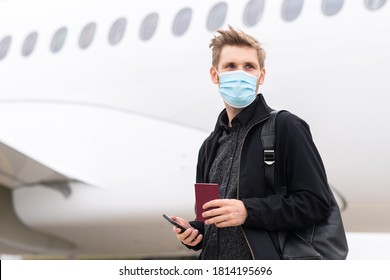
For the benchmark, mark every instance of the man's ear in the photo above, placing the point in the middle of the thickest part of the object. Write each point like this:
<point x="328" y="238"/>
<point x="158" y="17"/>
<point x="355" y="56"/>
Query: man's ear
<point x="214" y="75"/>
<point x="262" y="76"/>
<point x="261" y="79"/>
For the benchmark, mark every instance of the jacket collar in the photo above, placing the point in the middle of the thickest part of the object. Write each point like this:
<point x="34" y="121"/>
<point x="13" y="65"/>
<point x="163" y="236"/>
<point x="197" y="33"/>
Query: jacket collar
<point x="261" y="111"/>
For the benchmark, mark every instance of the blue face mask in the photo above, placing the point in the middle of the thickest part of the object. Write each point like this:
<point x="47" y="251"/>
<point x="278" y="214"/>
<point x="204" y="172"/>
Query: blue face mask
<point x="237" y="88"/>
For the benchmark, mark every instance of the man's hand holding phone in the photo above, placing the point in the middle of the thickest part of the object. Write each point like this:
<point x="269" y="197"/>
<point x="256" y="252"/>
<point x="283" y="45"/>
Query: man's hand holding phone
<point x="190" y="236"/>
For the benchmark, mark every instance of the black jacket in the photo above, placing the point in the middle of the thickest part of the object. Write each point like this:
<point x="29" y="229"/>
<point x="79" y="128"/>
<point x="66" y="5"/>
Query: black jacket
<point x="298" y="166"/>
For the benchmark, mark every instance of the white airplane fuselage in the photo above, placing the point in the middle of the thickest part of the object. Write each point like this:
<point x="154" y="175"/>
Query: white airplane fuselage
<point x="126" y="120"/>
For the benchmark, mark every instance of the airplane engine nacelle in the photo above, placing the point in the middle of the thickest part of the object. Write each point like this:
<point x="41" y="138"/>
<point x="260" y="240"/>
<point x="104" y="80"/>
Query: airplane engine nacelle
<point x="16" y="238"/>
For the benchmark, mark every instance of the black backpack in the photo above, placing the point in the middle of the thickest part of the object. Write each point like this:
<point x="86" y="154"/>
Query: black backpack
<point x="323" y="240"/>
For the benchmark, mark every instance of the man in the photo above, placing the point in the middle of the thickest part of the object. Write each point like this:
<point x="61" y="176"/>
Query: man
<point x="244" y="221"/>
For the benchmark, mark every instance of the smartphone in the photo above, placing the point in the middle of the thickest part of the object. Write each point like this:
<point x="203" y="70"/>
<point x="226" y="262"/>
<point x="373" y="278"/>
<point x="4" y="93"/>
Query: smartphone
<point x="176" y="224"/>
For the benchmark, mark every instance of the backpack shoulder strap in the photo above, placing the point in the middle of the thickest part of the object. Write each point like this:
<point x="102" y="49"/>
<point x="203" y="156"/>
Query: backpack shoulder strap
<point x="268" y="139"/>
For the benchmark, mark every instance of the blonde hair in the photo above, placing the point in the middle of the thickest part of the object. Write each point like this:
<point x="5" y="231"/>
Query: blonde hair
<point x="234" y="37"/>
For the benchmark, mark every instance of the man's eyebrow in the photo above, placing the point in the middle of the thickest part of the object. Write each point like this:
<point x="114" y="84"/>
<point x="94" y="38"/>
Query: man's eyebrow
<point x="224" y="64"/>
<point x="254" y="63"/>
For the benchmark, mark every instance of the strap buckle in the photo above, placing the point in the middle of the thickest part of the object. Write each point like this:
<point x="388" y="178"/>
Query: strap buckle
<point x="269" y="157"/>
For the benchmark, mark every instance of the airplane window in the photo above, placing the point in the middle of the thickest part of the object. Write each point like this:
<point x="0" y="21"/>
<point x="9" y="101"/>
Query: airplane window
<point x="374" y="4"/>
<point x="29" y="44"/>
<point x="291" y="9"/>
<point x="4" y="46"/>
<point x="148" y="27"/>
<point x="217" y="16"/>
<point x="331" y="7"/>
<point x="58" y="39"/>
<point x="87" y="35"/>
<point x="117" y="31"/>
<point x="253" y="12"/>
<point x="182" y="21"/>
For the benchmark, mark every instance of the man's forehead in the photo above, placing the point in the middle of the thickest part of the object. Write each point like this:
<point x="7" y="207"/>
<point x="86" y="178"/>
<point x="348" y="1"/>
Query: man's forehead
<point x="238" y="54"/>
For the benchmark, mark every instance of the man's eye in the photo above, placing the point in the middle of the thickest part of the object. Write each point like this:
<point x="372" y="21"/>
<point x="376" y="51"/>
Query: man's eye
<point x="250" y="66"/>
<point x="230" y="66"/>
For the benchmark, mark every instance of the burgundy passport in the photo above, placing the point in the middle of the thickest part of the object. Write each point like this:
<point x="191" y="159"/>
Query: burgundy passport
<point x="204" y="193"/>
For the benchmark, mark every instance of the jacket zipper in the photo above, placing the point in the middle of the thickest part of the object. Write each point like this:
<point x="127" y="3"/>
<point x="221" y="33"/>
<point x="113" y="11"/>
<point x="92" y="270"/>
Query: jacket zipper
<point x="238" y="184"/>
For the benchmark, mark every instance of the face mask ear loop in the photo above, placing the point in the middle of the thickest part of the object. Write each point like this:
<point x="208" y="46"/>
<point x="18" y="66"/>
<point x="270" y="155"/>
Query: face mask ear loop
<point x="258" y="82"/>
<point x="219" y="81"/>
